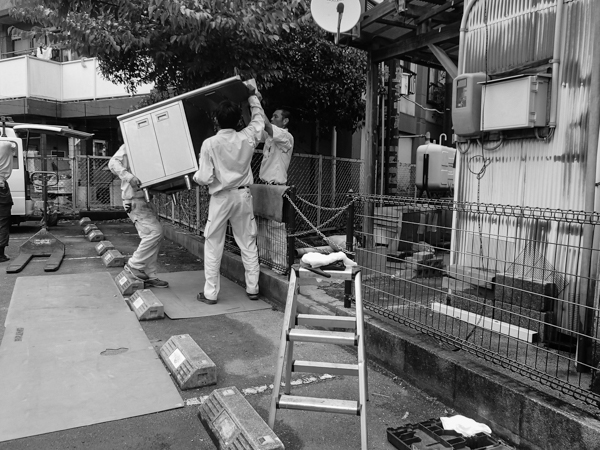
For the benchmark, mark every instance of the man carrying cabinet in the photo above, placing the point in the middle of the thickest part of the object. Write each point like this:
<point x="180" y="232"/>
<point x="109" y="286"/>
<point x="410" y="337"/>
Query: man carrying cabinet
<point x="143" y="263"/>
<point x="224" y="166"/>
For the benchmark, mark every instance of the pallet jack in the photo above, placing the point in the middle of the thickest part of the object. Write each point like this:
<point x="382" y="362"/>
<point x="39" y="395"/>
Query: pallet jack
<point x="43" y="243"/>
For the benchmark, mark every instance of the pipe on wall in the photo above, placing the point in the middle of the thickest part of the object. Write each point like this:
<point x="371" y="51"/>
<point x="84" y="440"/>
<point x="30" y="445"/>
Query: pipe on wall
<point x="590" y="241"/>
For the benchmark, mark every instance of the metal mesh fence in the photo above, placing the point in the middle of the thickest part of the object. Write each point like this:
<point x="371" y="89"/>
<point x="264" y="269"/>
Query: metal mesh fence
<point x="94" y="185"/>
<point x="511" y="288"/>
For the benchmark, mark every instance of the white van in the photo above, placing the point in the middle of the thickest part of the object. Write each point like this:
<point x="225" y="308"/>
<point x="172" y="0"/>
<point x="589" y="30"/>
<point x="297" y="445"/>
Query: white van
<point x="22" y="181"/>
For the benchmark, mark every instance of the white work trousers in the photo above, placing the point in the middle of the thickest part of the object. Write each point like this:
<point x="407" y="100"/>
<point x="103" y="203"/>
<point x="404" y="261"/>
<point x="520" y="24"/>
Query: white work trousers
<point x="233" y="205"/>
<point x="150" y="232"/>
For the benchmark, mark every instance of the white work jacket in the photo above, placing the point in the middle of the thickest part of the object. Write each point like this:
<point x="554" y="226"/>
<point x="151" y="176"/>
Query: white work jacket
<point x="225" y="158"/>
<point x="277" y="154"/>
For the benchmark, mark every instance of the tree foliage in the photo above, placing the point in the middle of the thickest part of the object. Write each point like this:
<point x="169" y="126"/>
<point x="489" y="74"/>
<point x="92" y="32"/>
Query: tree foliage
<point x="181" y="45"/>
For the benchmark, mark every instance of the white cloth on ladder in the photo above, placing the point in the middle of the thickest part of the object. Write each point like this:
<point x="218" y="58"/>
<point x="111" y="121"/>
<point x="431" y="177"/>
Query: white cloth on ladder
<point x="318" y="259"/>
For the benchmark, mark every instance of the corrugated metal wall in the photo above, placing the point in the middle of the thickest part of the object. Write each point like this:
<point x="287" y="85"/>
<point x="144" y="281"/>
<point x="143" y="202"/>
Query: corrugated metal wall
<point x="528" y="171"/>
<point x="504" y="35"/>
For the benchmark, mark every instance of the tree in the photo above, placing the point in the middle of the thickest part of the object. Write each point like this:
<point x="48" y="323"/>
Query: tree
<point x="181" y="45"/>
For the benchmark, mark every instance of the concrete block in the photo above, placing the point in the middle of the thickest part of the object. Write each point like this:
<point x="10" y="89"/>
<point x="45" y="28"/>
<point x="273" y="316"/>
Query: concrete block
<point x="114" y="258"/>
<point x="540" y="322"/>
<point x="422" y="247"/>
<point x="422" y="256"/>
<point x="146" y="306"/>
<point x="95" y="236"/>
<point x="127" y="283"/>
<point x="372" y="258"/>
<point x="188" y="363"/>
<point x="473" y="275"/>
<point x="232" y="423"/>
<point x="89" y="228"/>
<point x="538" y="295"/>
<point x="103" y="246"/>
<point x="84" y="221"/>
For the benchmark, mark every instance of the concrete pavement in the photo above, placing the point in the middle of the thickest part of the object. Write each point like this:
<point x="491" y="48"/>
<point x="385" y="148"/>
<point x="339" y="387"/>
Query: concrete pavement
<point x="244" y="348"/>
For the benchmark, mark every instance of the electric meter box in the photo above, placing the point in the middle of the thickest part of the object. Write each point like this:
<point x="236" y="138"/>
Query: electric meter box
<point x="164" y="140"/>
<point x="435" y="167"/>
<point x="515" y="103"/>
<point x="466" y="103"/>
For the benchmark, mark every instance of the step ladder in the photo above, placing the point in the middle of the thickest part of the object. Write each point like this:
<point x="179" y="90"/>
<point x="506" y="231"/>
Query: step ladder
<point x="290" y="334"/>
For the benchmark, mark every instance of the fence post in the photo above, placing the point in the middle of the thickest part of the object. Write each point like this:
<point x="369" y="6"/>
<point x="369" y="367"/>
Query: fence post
<point x="290" y="219"/>
<point x="349" y="247"/>
<point x="89" y="183"/>
<point x="320" y="190"/>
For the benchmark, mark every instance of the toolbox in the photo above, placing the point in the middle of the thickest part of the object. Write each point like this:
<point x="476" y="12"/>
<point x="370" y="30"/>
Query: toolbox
<point x="431" y="435"/>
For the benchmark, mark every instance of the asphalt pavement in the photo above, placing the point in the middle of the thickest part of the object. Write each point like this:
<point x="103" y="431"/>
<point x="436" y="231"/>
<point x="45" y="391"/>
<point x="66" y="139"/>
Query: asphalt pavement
<point x="244" y="349"/>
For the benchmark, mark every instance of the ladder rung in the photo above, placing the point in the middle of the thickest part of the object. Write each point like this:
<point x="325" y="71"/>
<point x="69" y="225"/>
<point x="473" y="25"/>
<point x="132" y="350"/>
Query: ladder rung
<point x="325" y="367"/>
<point x="314" y="320"/>
<point x="318" y="404"/>
<point x="325" y="337"/>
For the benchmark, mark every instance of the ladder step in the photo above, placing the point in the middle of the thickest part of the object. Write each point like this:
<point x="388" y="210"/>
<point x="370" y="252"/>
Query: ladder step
<point x="314" y="320"/>
<point x="325" y="367"/>
<point x="325" y="337"/>
<point x="318" y="404"/>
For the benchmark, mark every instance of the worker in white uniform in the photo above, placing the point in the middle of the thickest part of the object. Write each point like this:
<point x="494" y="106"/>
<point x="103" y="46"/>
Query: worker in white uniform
<point x="7" y="150"/>
<point x="277" y="154"/>
<point x="224" y="166"/>
<point x="143" y="264"/>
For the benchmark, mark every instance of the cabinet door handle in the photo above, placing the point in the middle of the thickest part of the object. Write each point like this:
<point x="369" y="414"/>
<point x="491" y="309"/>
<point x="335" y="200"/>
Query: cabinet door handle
<point x="142" y="123"/>
<point x="163" y="116"/>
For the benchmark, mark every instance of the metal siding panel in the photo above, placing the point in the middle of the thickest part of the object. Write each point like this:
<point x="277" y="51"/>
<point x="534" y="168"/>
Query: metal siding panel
<point x="530" y="172"/>
<point x="533" y="172"/>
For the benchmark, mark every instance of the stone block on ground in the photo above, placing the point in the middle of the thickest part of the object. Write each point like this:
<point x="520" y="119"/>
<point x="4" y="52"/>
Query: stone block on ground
<point x="232" y="423"/>
<point x="473" y="275"/>
<point x="146" y="306"/>
<point x="540" y="322"/>
<point x="538" y="295"/>
<point x="89" y="228"/>
<point x="95" y="236"/>
<point x="104" y="246"/>
<point x="84" y="221"/>
<point x="114" y="258"/>
<point x="190" y="366"/>
<point x="372" y="258"/>
<point x="127" y="283"/>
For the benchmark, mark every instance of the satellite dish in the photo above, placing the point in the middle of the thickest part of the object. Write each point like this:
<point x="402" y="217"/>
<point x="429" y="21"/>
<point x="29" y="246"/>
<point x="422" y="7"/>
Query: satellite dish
<point x="336" y="16"/>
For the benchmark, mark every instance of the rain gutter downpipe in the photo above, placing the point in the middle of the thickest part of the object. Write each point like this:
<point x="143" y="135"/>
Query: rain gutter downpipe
<point x="589" y="261"/>
<point x="461" y="69"/>
<point x="556" y="63"/>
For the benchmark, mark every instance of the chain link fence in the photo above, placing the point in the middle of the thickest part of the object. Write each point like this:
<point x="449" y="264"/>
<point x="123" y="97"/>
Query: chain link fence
<point x="95" y="187"/>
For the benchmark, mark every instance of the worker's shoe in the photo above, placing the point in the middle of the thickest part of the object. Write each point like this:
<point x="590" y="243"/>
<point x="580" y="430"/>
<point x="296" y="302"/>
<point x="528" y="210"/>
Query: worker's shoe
<point x="155" y="282"/>
<point x="253" y="297"/>
<point x="201" y="298"/>
<point x="137" y="273"/>
<point x="4" y="258"/>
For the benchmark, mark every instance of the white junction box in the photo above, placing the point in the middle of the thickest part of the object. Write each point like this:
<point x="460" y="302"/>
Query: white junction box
<point x="514" y="103"/>
<point x="164" y="139"/>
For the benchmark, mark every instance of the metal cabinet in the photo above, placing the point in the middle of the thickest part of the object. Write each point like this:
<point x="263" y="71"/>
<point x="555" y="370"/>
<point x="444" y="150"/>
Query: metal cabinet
<point x="164" y="139"/>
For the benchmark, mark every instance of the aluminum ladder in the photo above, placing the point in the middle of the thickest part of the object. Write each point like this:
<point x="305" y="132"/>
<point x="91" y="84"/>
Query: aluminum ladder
<point x="290" y="334"/>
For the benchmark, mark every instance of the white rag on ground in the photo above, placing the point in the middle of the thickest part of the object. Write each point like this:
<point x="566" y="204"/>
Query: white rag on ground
<point x="465" y="426"/>
<point x="318" y="259"/>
